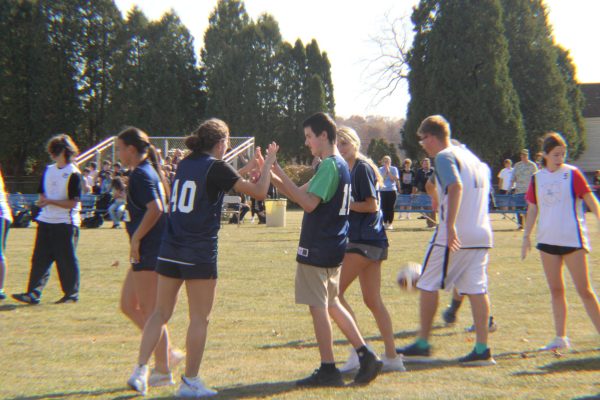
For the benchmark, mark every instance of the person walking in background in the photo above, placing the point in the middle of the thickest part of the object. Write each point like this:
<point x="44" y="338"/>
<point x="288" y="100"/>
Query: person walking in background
<point x="388" y="191"/>
<point x="554" y="199"/>
<point x="58" y="224"/>
<point x="521" y="176"/>
<point x="5" y="221"/>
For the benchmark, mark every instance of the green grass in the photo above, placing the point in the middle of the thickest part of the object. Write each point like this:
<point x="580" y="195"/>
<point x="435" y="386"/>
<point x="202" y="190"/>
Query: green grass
<point x="260" y="341"/>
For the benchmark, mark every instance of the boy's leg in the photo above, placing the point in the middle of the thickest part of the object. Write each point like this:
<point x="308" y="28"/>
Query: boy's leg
<point x="427" y="307"/>
<point x="42" y="259"/>
<point x="481" y="311"/>
<point x="67" y="263"/>
<point x="323" y="333"/>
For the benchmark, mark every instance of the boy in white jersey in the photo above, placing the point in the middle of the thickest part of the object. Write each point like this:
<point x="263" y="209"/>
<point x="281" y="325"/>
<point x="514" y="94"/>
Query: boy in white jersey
<point x="458" y="252"/>
<point x="555" y="195"/>
<point x="58" y="224"/>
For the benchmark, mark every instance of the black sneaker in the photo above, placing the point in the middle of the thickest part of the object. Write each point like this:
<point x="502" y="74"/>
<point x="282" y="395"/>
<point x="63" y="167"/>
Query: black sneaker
<point x="28" y="298"/>
<point x="67" y="299"/>
<point x="414" y="353"/>
<point x="322" y="378"/>
<point x="449" y="315"/>
<point x="370" y="366"/>
<point x="2" y="295"/>
<point x="473" y="359"/>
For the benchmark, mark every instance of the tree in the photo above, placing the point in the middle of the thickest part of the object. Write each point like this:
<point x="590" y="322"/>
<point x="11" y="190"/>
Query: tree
<point x="536" y="74"/>
<point x="459" y="69"/>
<point x="378" y="148"/>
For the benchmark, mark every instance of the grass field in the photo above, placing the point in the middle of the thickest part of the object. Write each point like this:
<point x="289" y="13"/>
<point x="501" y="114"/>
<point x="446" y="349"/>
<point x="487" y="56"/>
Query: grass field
<point x="260" y="342"/>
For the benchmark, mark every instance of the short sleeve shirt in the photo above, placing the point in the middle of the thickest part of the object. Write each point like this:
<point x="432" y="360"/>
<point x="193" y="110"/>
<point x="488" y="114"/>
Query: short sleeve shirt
<point x="447" y="169"/>
<point x="325" y="182"/>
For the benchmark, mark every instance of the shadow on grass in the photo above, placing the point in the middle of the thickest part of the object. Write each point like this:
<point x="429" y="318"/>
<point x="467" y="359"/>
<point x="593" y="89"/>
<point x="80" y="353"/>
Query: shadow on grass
<point x="8" y="307"/>
<point x="590" y="397"/>
<point x="77" y="394"/>
<point x="581" y="364"/>
<point x="299" y="344"/>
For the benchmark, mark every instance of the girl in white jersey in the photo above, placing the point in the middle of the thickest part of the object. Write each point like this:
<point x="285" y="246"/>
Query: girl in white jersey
<point x="5" y="221"/>
<point x="555" y="194"/>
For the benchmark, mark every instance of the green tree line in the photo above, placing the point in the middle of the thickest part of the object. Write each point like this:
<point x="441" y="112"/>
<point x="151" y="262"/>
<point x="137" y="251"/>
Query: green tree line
<point x="79" y="67"/>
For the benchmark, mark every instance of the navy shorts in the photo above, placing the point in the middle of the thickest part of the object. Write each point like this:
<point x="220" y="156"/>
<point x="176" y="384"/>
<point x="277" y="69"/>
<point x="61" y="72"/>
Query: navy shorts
<point x="179" y="270"/>
<point x="148" y="256"/>
<point x="556" y="250"/>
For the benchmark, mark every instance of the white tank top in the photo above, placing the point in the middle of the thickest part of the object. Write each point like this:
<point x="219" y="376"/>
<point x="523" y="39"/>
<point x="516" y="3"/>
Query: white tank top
<point x="472" y="221"/>
<point x="56" y="187"/>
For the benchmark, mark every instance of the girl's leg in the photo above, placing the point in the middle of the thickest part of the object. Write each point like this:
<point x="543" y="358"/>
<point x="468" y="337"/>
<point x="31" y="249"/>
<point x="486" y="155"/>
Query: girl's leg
<point x="4" y="227"/>
<point x="201" y="296"/>
<point x="553" y="269"/>
<point x="351" y="268"/>
<point x="144" y="283"/>
<point x="577" y="264"/>
<point x="166" y="298"/>
<point x="370" y="284"/>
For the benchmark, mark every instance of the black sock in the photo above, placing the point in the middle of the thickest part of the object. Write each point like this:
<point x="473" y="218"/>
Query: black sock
<point x="328" y="367"/>
<point x="362" y="352"/>
<point x="456" y="304"/>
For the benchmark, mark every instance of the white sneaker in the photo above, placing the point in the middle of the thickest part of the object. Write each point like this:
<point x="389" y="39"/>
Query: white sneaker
<point x="175" y="358"/>
<point x="193" y="388"/>
<point x="390" y="227"/>
<point x="558" y="343"/>
<point x="138" y="380"/>
<point x="392" y="364"/>
<point x="352" y="364"/>
<point x="157" y="379"/>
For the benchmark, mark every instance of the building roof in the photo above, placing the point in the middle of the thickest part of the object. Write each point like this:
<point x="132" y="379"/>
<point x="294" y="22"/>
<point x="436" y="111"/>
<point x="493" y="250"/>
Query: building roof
<point x="591" y="92"/>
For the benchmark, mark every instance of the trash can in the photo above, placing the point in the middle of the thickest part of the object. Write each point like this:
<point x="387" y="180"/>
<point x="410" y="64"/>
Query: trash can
<point x="275" y="210"/>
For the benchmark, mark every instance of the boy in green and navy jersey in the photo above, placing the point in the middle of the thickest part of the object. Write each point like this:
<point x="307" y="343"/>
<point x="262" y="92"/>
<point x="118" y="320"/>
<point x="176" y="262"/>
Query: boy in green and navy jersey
<point x="325" y="200"/>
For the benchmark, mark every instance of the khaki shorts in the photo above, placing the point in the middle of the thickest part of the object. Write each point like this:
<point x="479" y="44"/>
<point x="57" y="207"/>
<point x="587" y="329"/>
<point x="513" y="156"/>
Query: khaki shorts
<point x="316" y="286"/>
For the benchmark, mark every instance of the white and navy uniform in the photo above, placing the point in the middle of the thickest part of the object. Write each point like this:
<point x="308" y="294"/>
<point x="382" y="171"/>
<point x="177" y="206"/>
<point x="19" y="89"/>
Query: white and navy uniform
<point x="5" y="219"/>
<point x="145" y="186"/>
<point x="57" y="231"/>
<point x="366" y="233"/>
<point x="465" y="269"/>
<point x="561" y="219"/>
<point x="189" y="247"/>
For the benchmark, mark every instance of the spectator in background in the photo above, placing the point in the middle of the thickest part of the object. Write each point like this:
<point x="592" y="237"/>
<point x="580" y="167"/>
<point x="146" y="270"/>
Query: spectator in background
<point x="505" y="178"/>
<point x="105" y="177"/>
<point x="118" y="170"/>
<point x="421" y="178"/>
<point x="387" y="192"/>
<point x="87" y="183"/>
<point x="5" y="221"/>
<point x="117" y="208"/>
<point x="93" y="170"/>
<point x="522" y="173"/>
<point x="539" y="160"/>
<point x="407" y="180"/>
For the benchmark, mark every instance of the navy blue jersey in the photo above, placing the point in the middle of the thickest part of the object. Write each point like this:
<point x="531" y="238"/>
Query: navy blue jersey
<point x="324" y="232"/>
<point x="144" y="186"/>
<point x="195" y="210"/>
<point x="366" y="228"/>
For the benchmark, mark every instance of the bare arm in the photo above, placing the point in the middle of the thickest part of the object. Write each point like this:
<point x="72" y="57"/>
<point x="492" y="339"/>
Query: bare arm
<point x="153" y="213"/>
<point x="299" y="195"/>
<point x="259" y="189"/>
<point x="68" y="204"/>
<point x="454" y="199"/>
<point x="532" y="212"/>
<point x="367" y="206"/>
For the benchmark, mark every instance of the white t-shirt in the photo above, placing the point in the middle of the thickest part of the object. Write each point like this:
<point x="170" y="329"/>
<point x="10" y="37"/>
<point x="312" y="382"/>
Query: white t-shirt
<point x="458" y="164"/>
<point x="506" y="175"/>
<point x="61" y="184"/>
<point x="5" y="212"/>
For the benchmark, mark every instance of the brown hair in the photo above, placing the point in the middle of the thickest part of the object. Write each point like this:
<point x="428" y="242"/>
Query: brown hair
<point x="208" y="134"/>
<point x="551" y="140"/>
<point x="139" y="139"/>
<point x="435" y="125"/>
<point x="63" y="142"/>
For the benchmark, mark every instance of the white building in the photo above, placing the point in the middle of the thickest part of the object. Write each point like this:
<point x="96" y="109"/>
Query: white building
<point x="589" y="161"/>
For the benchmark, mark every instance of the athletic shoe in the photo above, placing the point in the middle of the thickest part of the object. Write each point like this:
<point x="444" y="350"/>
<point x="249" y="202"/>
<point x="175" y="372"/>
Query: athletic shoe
<point x="370" y="366"/>
<point x="492" y="326"/>
<point x="390" y="227"/>
<point x="67" y="299"/>
<point x="557" y="343"/>
<point x="473" y="359"/>
<point x="392" y="364"/>
<point x="352" y="364"/>
<point x="175" y="358"/>
<point x="138" y="380"/>
<point x="414" y="353"/>
<point x="320" y="377"/>
<point x="157" y="379"/>
<point x="193" y="388"/>
<point x="449" y="315"/>
<point x="2" y="295"/>
<point x="28" y="298"/>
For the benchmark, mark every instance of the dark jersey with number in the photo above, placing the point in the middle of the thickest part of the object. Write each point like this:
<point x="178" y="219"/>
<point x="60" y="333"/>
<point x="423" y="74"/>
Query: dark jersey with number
<point x="324" y="232"/>
<point x="195" y="210"/>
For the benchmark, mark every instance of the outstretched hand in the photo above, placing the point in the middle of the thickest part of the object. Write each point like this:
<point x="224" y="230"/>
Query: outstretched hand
<point x="272" y="153"/>
<point x="258" y="158"/>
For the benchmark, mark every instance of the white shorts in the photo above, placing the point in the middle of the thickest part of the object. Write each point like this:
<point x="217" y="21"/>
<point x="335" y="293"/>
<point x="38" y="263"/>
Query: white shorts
<point x="465" y="269"/>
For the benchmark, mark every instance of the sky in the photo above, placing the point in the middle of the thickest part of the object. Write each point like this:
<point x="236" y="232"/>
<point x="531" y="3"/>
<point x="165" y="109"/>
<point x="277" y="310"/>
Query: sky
<point x="345" y="30"/>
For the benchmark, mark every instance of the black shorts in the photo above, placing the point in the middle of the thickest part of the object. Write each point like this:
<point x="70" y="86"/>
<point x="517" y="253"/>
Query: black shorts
<point x="556" y="250"/>
<point x="148" y="256"/>
<point x="185" y="271"/>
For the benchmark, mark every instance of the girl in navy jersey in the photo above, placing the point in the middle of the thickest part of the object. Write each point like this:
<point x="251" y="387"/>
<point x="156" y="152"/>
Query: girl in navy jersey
<point x="5" y="221"/>
<point x="188" y="253"/>
<point x="367" y="247"/>
<point x="145" y="222"/>
<point x="555" y="195"/>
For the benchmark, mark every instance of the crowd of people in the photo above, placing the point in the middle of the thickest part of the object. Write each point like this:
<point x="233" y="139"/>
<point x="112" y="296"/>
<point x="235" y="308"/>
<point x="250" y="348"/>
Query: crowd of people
<point x="172" y="217"/>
